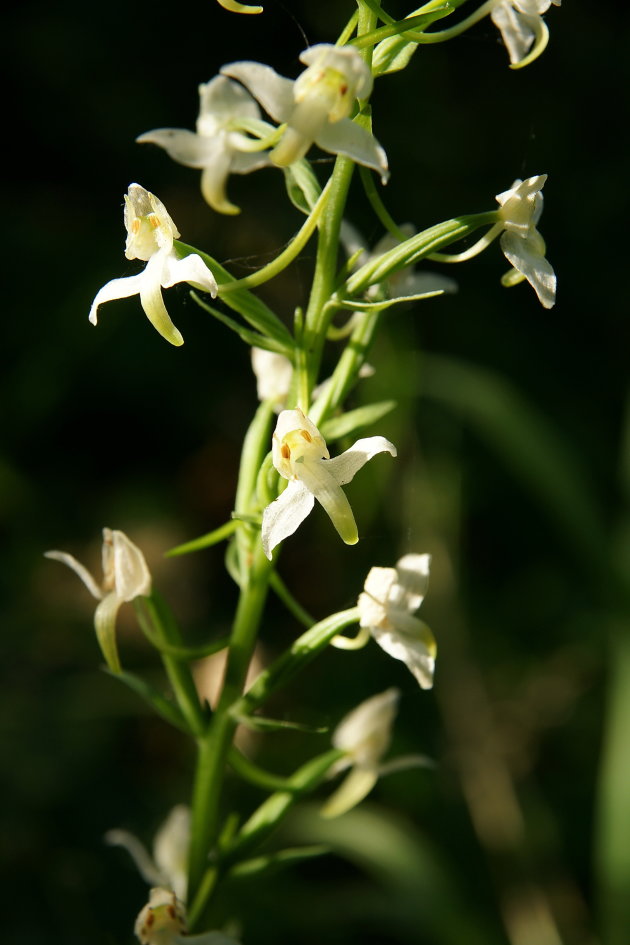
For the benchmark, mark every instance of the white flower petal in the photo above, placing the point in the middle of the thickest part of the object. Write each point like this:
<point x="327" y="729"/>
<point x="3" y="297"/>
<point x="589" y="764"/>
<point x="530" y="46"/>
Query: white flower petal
<point x="139" y="854"/>
<point x="191" y="269"/>
<point x="345" y="466"/>
<point x="526" y="256"/>
<point x="185" y="147"/>
<point x="79" y="569"/>
<point x="346" y="137"/>
<point x="411" y="641"/>
<point x="131" y="576"/>
<point x="273" y="91"/>
<point x="116" y="289"/>
<point x="105" y="626"/>
<point x="412" y="572"/>
<point x="170" y="849"/>
<point x="365" y="732"/>
<point x="318" y="479"/>
<point x="153" y="303"/>
<point x="353" y="789"/>
<point x="285" y="515"/>
<point x="220" y="102"/>
<point x="515" y="28"/>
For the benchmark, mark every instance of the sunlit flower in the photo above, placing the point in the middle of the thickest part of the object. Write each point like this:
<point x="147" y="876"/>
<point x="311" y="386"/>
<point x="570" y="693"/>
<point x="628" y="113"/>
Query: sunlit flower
<point x="364" y="735"/>
<point x="522" y="244"/>
<point x="520" y="23"/>
<point x="168" y="865"/>
<point x="389" y="599"/>
<point x="301" y="456"/>
<point x="150" y="236"/>
<point x="125" y="577"/>
<point x="316" y="106"/>
<point x="218" y="148"/>
<point x="273" y="376"/>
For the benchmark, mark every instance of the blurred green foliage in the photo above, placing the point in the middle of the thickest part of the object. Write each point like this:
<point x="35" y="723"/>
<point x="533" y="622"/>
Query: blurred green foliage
<point x="511" y="430"/>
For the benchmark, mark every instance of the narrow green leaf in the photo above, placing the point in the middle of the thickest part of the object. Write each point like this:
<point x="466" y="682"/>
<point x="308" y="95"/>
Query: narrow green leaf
<point x="302" y="185"/>
<point x="252" y="338"/>
<point x="393" y="52"/>
<point x="276" y="861"/>
<point x="205" y="541"/>
<point x="242" y="300"/>
<point x="354" y="420"/>
<point x="164" y="708"/>
<point x="258" y="723"/>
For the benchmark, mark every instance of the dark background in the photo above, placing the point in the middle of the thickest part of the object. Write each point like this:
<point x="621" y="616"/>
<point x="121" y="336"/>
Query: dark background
<point x="511" y="427"/>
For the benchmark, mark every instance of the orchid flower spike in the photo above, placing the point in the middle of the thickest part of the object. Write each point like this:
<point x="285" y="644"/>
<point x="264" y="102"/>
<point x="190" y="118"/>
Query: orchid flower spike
<point x="150" y="237"/>
<point x="522" y="28"/>
<point x="125" y="577"/>
<point x="163" y="922"/>
<point x="316" y="106"/>
<point x="522" y="244"/>
<point x="219" y="147"/>
<point x="386" y="606"/>
<point x="169" y="864"/>
<point x="364" y="735"/>
<point x="300" y="455"/>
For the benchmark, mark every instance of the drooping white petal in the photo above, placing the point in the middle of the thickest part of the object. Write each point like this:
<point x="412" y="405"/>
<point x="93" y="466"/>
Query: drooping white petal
<point x="345" y="466"/>
<point x="410" y="640"/>
<point x="153" y="303"/>
<point x="191" y="269"/>
<point x="79" y="569"/>
<point x="185" y="147"/>
<point x="346" y="137"/>
<point x="105" y="626"/>
<point x="273" y="91"/>
<point x="318" y="479"/>
<point x="139" y="854"/>
<point x="352" y="790"/>
<point x="283" y="516"/>
<point x="116" y="289"/>
<point x="527" y="256"/>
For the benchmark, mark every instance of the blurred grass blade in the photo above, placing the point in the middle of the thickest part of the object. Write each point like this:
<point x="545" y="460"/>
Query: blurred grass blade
<point x="612" y="837"/>
<point x="533" y="449"/>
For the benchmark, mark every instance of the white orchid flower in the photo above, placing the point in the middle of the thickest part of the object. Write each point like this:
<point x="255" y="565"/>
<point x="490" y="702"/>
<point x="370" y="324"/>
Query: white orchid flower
<point x="168" y="866"/>
<point x="274" y="373"/>
<point x="386" y="606"/>
<point x="522" y="244"/>
<point x="301" y="456"/>
<point x="150" y="236"/>
<point x="218" y="148"/>
<point x="163" y="922"/>
<point x="316" y="106"/>
<point x="364" y="735"/>
<point x="520" y="24"/>
<point x="125" y="577"/>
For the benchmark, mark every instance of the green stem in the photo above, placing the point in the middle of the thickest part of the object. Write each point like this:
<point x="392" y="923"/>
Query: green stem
<point x="213" y="749"/>
<point x="157" y="622"/>
<point x="295" y="247"/>
<point x="205" y="541"/>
